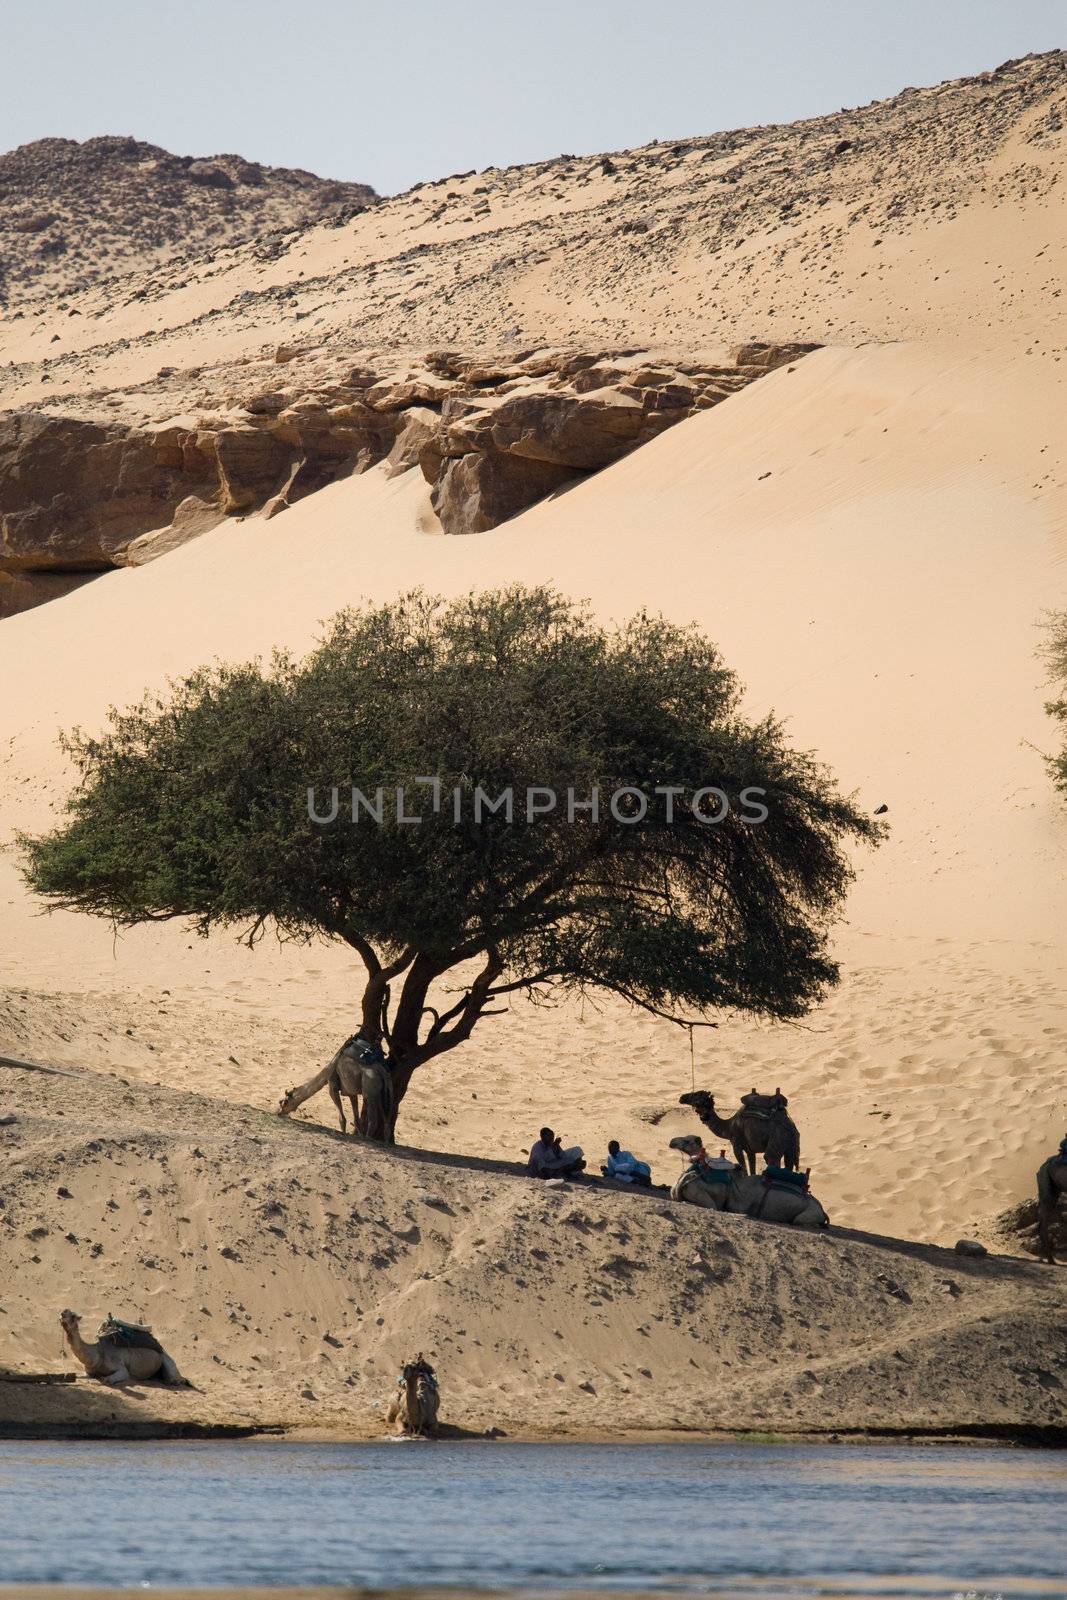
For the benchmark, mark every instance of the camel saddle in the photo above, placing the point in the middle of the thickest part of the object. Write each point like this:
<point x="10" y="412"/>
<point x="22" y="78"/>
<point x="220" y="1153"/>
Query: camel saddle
<point x="764" y="1104"/>
<point x="367" y="1053"/>
<point x="785" y="1178"/>
<point x="130" y="1335"/>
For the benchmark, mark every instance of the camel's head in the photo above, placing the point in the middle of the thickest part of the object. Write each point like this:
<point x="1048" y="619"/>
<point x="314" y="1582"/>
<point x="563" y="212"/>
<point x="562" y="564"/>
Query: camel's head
<point x="699" y="1099"/>
<point x="287" y="1103"/>
<point x="419" y="1368"/>
<point x="690" y="1144"/>
<point x="68" y="1321"/>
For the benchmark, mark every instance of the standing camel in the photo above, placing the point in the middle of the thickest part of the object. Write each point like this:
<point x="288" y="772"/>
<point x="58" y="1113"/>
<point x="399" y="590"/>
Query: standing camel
<point x="347" y="1074"/>
<point x="415" y="1404"/>
<point x="762" y="1126"/>
<point x="1051" y="1188"/>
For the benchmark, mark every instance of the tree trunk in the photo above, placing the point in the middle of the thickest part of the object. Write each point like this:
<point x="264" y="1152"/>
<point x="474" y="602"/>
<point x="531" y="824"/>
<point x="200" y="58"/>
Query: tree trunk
<point x="404" y="1049"/>
<point x="370" y="1027"/>
<point x="406" y="1052"/>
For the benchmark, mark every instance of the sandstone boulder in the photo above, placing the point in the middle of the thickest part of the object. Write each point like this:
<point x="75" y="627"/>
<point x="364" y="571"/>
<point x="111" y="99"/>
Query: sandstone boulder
<point x="766" y="357"/>
<point x="420" y="427"/>
<point x="207" y="173"/>
<point x="267" y="403"/>
<point x="191" y="518"/>
<point x="252" y="464"/>
<point x="73" y="492"/>
<point x="476" y="492"/>
<point x="586" y="432"/>
<point x="328" y="442"/>
<point x="411" y="392"/>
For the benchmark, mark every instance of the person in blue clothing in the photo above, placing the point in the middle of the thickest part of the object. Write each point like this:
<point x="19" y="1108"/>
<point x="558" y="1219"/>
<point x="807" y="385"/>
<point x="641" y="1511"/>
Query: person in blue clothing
<point x="625" y="1167"/>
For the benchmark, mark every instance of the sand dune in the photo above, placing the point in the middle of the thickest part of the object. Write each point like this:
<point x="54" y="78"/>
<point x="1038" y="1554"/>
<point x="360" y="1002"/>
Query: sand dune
<point x="287" y="1272"/>
<point x="871" y="538"/>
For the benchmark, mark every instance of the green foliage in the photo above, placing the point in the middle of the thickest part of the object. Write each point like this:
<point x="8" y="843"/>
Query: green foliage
<point x="1055" y="656"/>
<point x="195" y="805"/>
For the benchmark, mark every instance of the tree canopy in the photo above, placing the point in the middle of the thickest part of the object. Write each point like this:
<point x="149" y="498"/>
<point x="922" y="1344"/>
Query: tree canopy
<point x="683" y="891"/>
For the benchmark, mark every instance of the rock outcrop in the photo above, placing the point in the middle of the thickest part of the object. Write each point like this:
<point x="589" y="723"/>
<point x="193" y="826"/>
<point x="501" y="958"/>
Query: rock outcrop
<point x="491" y="437"/>
<point x="73" y="493"/>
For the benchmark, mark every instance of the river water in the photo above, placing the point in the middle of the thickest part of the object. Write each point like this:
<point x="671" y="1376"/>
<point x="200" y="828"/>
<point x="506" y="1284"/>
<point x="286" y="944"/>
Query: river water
<point x="724" y="1519"/>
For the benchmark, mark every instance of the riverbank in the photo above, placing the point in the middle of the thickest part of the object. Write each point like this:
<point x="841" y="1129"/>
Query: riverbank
<point x="290" y="1272"/>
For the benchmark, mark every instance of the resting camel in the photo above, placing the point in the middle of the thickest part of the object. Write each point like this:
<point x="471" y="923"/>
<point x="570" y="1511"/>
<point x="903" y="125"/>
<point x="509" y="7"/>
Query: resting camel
<point x="415" y="1404"/>
<point x="750" y="1196"/>
<point x="1051" y="1188"/>
<point x="347" y="1075"/>
<point x="765" y="1128"/>
<point x="122" y="1354"/>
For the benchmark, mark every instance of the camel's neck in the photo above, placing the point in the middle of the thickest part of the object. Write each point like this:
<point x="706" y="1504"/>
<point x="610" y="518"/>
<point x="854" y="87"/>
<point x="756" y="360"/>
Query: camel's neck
<point x="305" y="1091"/>
<point x="84" y="1352"/>
<point x="412" y="1383"/>
<point x="720" y="1125"/>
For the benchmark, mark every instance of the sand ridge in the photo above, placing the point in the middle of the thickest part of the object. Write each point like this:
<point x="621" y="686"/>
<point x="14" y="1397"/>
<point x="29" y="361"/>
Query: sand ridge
<point x="289" y="1271"/>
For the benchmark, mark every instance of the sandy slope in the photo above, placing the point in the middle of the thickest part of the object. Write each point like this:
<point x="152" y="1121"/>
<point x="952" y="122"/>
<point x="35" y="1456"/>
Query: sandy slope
<point x="289" y="1272"/>
<point x="880" y="588"/>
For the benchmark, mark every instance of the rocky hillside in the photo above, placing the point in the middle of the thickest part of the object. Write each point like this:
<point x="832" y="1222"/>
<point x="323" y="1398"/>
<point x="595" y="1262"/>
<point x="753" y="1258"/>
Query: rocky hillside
<point x="869" y="223"/>
<point x="72" y="214"/>
<point x="594" y="301"/>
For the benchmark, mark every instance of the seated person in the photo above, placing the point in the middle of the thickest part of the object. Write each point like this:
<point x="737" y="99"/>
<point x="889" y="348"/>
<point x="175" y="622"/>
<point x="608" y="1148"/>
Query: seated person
<point x="549" y="1160"/>
<point x="626" y="1167"/>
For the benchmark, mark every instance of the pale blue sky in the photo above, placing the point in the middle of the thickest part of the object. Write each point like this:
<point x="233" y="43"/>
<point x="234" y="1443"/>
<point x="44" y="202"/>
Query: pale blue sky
<point x="397" y="91"/>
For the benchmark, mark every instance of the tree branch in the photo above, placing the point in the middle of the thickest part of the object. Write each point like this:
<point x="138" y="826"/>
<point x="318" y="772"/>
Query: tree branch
<point x="365" y="950"/>
<point x="468" y="1010"/>
<point x="646" y="1005"/>
<point x="525" y="983"/>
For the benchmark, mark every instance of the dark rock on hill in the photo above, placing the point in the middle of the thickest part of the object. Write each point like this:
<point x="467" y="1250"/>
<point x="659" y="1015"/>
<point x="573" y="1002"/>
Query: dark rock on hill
<point x="72" y="214"/>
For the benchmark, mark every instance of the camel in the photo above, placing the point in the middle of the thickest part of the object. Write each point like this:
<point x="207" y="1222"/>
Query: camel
<point x="761" y="1127"/>
<point x="348" y="1075"/>
<point x="123" y="1353"/>
<point x="1051" y="1188"/>
<point x="748" y="1195"/>
<point x="415" y="1404"/>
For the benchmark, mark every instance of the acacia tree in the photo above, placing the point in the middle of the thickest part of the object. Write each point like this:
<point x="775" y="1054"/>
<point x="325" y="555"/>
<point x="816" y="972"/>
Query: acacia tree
<point x="1055" y="654"/>
<point x="210" y="802"/>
